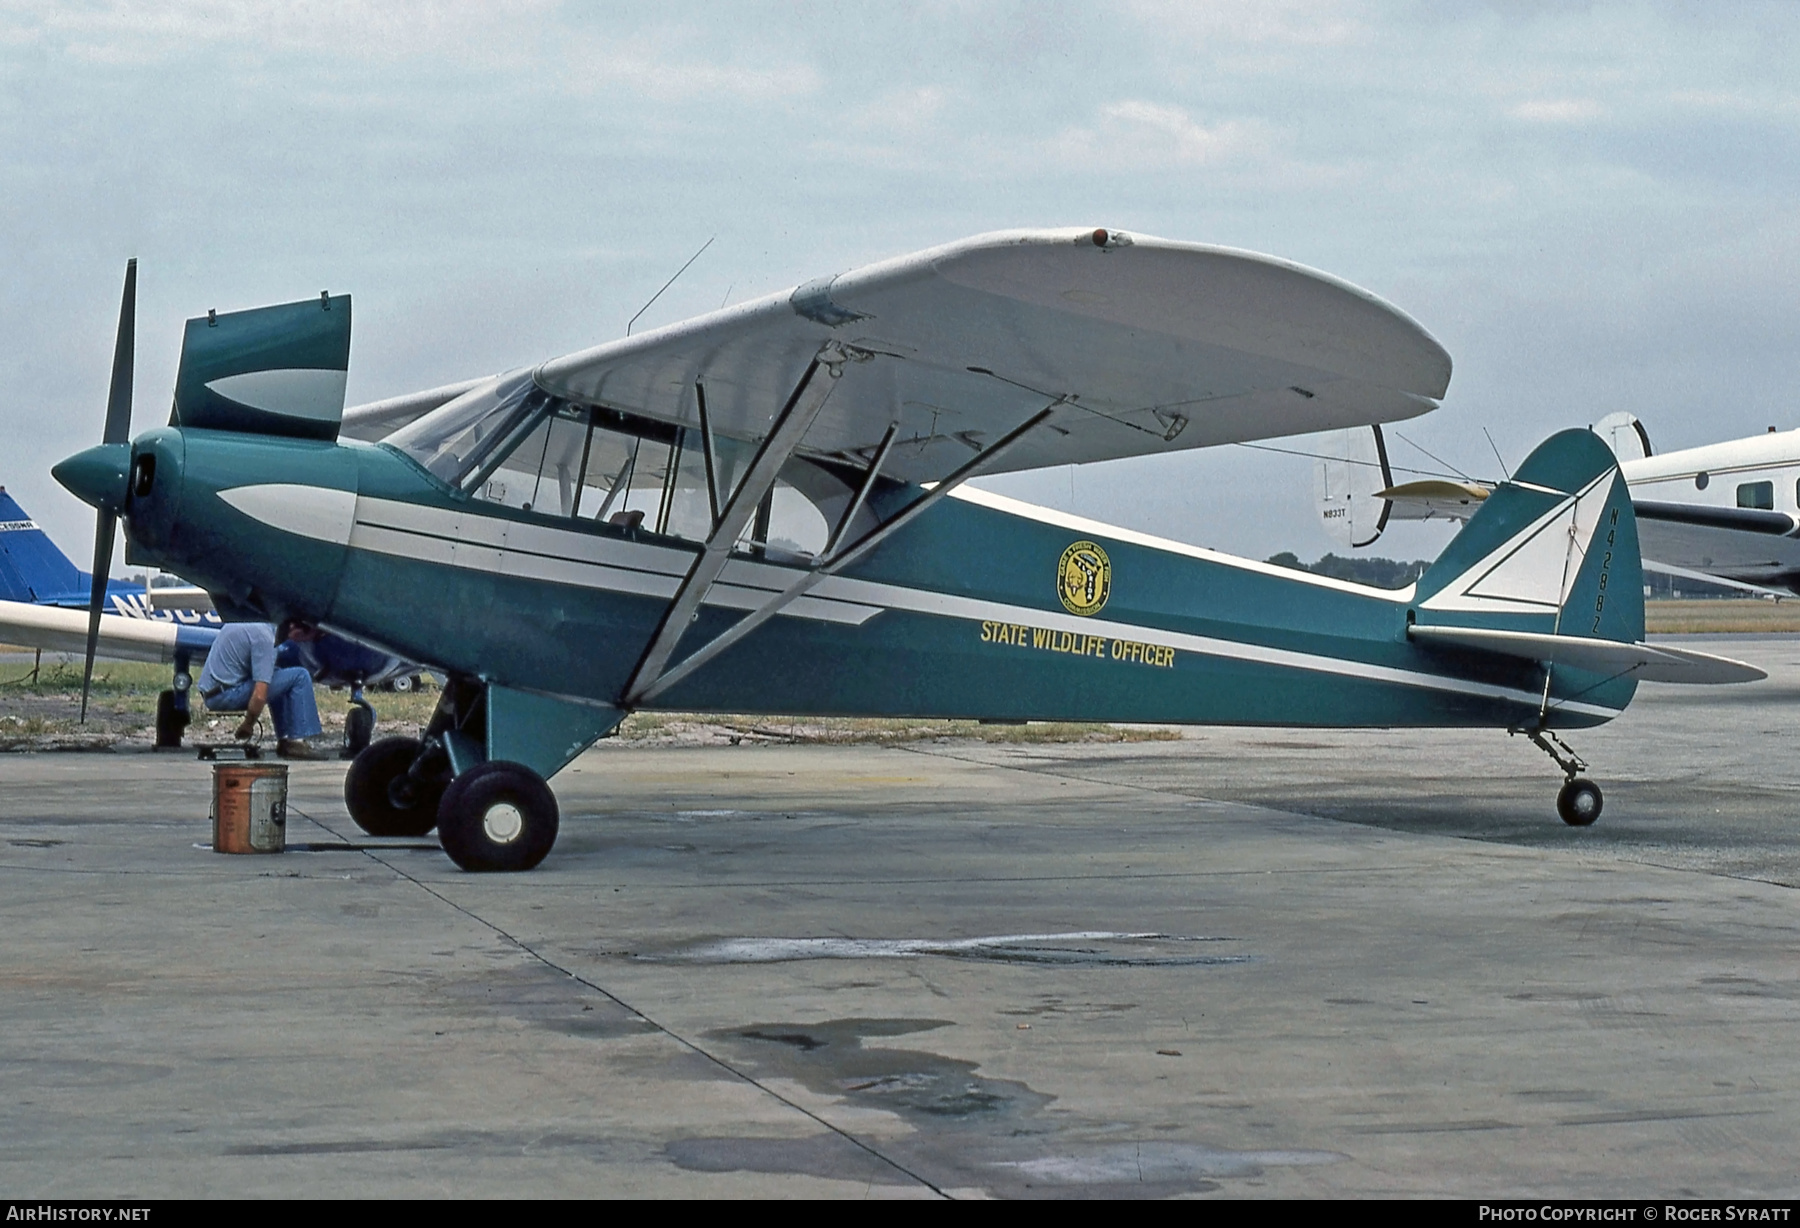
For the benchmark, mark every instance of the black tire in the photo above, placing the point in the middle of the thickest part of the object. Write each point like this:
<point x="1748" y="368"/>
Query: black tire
<point x="359" y="727"/>
<point x="402" y="684"/>
<point x="383" y="799"/>
<point x="1579" y="802"/>
<point x="170" y="721"/>
<point x="498" y="816"/>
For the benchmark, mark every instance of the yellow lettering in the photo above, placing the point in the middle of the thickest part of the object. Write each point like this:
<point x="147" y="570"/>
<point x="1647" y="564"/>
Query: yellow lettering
<point x="1019" y="635"/>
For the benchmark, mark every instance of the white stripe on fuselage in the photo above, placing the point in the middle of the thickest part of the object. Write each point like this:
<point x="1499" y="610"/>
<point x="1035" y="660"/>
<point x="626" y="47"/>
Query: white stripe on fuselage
<point x="466" y="539"/>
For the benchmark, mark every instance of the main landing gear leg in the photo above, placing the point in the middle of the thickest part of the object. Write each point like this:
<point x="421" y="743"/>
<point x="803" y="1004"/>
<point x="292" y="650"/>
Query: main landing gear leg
<point x="489" y="814"/>
<point x="1579" y="800"/>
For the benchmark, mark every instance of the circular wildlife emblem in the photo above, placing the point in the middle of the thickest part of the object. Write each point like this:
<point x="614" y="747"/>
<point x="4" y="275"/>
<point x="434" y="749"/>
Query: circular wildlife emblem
<point x="1084" y="578"/>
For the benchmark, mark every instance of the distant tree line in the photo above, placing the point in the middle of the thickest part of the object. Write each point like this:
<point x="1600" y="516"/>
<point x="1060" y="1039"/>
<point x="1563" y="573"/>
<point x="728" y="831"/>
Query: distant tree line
<point x="1374" y="572"/>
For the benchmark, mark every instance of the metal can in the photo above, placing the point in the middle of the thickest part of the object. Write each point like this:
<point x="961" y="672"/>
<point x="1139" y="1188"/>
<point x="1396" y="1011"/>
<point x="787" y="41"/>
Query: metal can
<point x="249" y="808"/>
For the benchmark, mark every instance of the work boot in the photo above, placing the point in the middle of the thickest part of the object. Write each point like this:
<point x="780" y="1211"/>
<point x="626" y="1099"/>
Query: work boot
<point x="298" y="748"/>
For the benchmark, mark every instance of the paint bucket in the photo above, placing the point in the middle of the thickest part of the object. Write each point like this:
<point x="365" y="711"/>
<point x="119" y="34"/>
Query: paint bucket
<point x="249" y="808"/>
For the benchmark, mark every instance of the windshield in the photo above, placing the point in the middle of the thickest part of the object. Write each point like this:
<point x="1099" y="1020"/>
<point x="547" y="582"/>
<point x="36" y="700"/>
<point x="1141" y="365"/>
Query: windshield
<point x="508" y="442"/>
<point x="452" y="440"/>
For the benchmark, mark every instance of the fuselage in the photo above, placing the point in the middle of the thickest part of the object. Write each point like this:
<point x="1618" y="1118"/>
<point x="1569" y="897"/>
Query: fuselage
<point x="1760" y="473"/>
<point x="982" y="607"/>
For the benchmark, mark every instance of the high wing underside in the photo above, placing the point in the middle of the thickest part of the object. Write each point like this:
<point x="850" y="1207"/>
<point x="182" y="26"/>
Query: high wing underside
<point x="1142" y="345"/>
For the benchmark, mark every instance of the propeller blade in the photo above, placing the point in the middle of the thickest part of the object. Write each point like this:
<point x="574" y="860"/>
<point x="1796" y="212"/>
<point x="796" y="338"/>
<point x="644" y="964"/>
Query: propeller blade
<point x="104" y="528"/>
<point x="118" y="430"/>
<point x="118" y="399"/>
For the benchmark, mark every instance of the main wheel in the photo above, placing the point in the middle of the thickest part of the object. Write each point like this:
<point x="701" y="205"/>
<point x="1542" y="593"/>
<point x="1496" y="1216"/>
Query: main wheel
<point x="359" y="727"/>
<point x="170" y="721"/>
<point x="497" y="816"/>
<point x="383" y="799"/>
<point x="1579" y="802"/>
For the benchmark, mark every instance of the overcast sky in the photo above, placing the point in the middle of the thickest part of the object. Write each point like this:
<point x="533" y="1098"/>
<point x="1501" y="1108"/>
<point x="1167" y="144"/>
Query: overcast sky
<point x="1592" y="207"/>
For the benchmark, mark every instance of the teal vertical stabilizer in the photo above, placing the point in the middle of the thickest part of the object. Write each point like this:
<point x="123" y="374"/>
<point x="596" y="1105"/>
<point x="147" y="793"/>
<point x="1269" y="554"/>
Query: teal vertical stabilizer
<point x="269" y="371"/>
<point x="541" y="731"/>
<point x="1552" y="554"/>
<point x="1553" y="550"/>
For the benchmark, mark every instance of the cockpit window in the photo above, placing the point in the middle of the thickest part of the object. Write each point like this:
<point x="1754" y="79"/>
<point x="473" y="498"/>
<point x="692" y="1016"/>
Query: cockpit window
<point x="508" y="442"/>
<point x="454" y="439"/>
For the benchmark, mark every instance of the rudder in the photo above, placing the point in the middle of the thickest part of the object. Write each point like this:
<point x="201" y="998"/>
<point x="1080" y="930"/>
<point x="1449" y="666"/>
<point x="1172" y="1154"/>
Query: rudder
<point x="32" y="569"/>
<point x="1553" y="550"/>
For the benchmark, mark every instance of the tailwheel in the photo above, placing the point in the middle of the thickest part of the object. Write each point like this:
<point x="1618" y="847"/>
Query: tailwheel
<point x="385" y="796"/>
<point x="1579" y="802"/>
<point x="497" y="816"/>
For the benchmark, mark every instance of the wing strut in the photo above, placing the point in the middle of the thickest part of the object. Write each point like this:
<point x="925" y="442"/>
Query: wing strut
<point x="706" y="443"/>
<point x="833" y="563"/>
<point x="862" y="491"/>
<point x="790" y="426"/>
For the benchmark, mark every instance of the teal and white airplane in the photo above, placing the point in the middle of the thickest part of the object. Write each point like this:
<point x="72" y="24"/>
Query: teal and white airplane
<point x="763" y="509"/>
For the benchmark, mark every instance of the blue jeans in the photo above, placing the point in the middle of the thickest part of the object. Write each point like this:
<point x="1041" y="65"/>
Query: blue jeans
<point x="291" y="704"/>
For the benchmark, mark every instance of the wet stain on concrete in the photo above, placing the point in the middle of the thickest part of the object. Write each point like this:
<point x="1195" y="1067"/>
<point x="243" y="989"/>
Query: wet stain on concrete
<point x="1173" y="1167"/>
<point x="969" y="1130"/>
<point x="918" y="1085"/>
<point x="831" y="1156"/>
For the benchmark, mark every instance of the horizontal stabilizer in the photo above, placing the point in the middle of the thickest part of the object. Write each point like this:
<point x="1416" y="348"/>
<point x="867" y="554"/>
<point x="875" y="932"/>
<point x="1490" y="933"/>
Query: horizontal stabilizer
<point x="1434" y="499"/>
<point x="1647" y="663"/>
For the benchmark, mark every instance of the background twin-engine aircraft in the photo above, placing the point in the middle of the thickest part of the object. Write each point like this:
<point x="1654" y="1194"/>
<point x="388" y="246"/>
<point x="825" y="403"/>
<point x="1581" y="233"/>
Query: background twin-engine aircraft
<point x="762" y="509"/>
<point x="1724" y="513"/>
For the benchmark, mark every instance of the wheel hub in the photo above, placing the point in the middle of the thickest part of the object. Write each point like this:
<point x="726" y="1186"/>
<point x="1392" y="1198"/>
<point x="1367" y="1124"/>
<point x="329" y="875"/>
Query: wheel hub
<point x="502" y="823"/>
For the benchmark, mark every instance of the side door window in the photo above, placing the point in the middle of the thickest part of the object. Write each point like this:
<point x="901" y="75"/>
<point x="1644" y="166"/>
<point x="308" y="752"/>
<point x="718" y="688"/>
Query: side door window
<point x="1760" y="495"/>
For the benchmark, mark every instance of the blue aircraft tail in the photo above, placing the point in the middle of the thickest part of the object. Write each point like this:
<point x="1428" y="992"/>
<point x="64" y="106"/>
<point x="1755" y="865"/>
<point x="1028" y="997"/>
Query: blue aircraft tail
<point x="1554" y="550"/>
<point x="31" y="567"/>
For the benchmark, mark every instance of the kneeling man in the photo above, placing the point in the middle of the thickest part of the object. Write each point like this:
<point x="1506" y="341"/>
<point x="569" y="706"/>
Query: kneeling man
<point x="240" y="676"/>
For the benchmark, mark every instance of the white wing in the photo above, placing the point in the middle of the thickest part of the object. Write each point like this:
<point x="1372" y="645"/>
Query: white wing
<point x="1146" y="345"/>
<point x="58" y="630"/>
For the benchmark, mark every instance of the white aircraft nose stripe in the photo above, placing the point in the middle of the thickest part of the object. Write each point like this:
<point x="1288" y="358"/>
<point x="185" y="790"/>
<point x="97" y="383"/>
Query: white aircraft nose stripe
<point x="318" y="512"/>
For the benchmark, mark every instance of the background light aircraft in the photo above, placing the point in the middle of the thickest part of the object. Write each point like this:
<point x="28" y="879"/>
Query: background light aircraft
<point x="44" y="602"/>
<point x="1726" y="513"/>
<point x="762" y="510"/>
